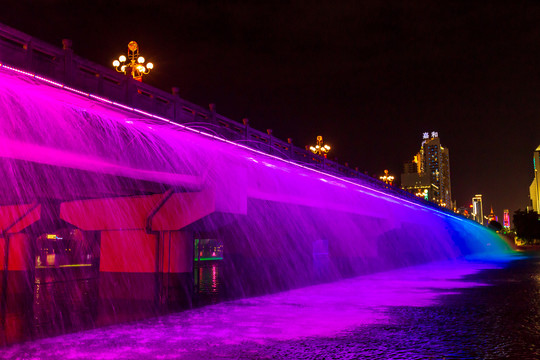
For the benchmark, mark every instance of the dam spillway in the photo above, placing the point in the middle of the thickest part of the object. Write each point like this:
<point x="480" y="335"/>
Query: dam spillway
<point x="125" y="208"/>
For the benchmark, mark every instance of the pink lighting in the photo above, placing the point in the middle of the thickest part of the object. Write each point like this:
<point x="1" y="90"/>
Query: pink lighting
<point x="140" y="189"/>
<point x="321" y="311"/>
<point x="76" y="91"/>
<point x="273" y="163"/>
<point x="378" y="192"/>
<point x="143" y="112"/>
<point x="100" y="99"/>
<point x="49" y="81"/>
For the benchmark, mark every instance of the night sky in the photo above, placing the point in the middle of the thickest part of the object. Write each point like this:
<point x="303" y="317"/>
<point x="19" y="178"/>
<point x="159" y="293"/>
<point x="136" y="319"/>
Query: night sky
<point x="370" y="77"/>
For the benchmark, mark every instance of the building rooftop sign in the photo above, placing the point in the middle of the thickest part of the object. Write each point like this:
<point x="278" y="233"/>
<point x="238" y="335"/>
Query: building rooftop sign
<point x="426" y="135"/>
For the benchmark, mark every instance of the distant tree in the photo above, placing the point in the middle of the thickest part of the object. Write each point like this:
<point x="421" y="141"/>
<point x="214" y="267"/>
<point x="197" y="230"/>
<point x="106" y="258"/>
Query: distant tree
<point x="495" y="225"/>
<point x="527" y="225"/>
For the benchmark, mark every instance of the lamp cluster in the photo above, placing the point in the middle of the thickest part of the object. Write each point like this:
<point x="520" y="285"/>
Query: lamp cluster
<point x="320" y="148"/>
<point x="387" y="178"/>
<point x="133" y="64"/>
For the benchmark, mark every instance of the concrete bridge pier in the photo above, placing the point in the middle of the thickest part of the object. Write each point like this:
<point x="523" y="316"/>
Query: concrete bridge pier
<point x="94" y="262"/>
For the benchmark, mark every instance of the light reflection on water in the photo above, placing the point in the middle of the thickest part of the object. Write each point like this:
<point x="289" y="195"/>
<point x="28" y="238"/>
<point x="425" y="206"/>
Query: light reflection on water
<point x="260" y="324"/>
<point x="208" y="284"/>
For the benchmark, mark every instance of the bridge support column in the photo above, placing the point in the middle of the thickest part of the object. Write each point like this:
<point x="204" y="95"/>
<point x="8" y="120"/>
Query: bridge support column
<point x="17" y="287"/>
<point x="176" y="269"/>
<point x="127" y="277"/>
<point x="17" y="266"/>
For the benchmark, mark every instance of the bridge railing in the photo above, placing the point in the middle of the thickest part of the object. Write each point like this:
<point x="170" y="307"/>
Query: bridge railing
<point x="62" y="65"/>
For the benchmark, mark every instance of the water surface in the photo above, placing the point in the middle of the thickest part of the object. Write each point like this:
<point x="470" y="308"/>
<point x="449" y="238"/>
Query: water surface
<point x="475" y="308"/>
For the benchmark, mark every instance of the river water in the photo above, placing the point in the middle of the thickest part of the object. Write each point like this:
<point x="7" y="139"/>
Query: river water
<point x="467" y="309"/>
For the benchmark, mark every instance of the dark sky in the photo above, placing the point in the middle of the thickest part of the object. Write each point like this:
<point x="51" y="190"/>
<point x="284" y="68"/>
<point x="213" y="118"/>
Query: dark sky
<point x="369" y="76"/>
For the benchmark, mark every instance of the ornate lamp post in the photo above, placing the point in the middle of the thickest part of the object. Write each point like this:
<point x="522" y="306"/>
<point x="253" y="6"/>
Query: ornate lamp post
<point x="320" y="148"/>
<point x="136" y="66"/>
<point x="387" y="178"/>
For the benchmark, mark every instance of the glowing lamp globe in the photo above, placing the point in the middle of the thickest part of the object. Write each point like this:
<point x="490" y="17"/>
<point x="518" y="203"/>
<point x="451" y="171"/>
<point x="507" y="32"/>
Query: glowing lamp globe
<point x="132" y="46"/>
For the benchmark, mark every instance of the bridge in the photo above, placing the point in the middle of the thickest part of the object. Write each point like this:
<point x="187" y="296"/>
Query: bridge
<point x="120" y="201"/>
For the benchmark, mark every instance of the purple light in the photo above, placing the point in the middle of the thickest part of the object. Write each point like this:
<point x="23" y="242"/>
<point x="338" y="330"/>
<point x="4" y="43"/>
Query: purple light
<point x="49" y="81"/>
<point x="18" y="71"/>
<point x="101" y="99"/>
<point x="143" y="112"/>
<point x="122" y="106"/>
<point x="76" y="91"/>
<point x="110" y="169"/>
<point x="161" y="118"/>
<point x="378" y="192"/>
<point x="326" y="310"/>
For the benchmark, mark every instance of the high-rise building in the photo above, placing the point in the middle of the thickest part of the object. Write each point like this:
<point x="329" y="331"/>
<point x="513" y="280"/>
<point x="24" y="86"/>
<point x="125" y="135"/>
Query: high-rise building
<point x="506" y="219"/>
<point x="478" y="211"/>
<point x="534" y="189"/>
<point x="428" y="175"/>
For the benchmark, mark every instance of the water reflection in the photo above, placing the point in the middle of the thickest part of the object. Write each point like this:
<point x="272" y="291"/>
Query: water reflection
<point x="208" y="268"/>
<point x="442" y="310"/>
<point x="66" y="247"/>
<point x="208" y="286"/>
<point x="64" y="305"/>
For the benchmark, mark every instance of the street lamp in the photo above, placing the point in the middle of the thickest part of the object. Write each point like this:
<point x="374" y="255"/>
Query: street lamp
<point x="387" y="178"/>
<point x="136" y="66"/>
<point x="320" y="148"/>
<point x="423" y="194"/>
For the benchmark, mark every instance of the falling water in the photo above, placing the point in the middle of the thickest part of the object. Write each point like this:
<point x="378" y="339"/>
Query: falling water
<point x="108" y="217"/>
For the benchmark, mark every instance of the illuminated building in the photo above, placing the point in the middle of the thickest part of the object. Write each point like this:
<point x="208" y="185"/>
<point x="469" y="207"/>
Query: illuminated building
<point x="478" y="211"/>
<point x="534" y="189"/>
<point x="492" y="216"/>
<point x="506" y="219"/>
<point x="428" y="175"/>
<point x="417" y="183"/>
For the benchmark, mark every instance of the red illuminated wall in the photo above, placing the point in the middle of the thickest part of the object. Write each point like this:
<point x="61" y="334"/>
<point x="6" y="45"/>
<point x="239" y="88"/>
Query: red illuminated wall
<point x="109" y="213"/>
<point x="128" y="251"/>
<point x="177" y="252"/>
<point x="19" y="252"/>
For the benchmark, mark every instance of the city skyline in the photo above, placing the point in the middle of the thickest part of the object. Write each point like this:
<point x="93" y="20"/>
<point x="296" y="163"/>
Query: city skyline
<point x="369" y="78"/>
